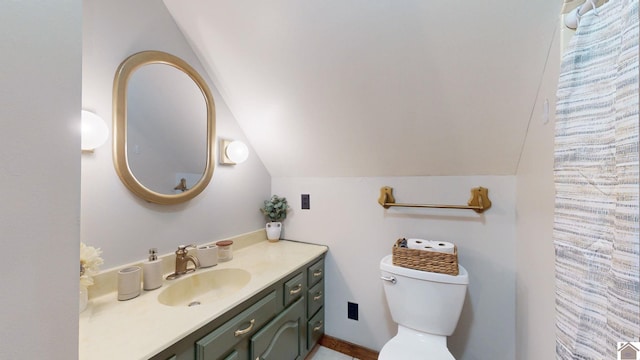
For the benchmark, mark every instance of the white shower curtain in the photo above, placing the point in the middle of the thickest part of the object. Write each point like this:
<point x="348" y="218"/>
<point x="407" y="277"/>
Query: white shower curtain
<point x="596" y="178"/>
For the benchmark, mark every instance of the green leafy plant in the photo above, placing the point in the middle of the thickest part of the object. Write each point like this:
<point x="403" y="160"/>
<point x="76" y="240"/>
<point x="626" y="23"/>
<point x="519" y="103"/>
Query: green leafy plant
<point x="275" y="209"/>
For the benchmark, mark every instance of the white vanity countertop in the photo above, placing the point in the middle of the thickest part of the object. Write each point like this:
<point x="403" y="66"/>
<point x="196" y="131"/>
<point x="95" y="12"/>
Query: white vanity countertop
<point x="142" y="327"/>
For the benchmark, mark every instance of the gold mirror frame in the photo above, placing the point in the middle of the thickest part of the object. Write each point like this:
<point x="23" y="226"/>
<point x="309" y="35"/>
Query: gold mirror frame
<point x="120" y="160"/>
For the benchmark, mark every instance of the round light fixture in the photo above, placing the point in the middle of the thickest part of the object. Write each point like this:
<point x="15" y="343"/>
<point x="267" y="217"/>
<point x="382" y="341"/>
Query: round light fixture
<point x="94" y="131"/>
<point x="237" y="152"/>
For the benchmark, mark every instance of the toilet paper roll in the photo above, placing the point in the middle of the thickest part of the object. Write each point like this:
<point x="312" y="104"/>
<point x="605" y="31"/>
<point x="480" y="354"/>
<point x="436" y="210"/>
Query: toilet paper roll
<point x="208" y="255"/>
<point x="431" y="245"/>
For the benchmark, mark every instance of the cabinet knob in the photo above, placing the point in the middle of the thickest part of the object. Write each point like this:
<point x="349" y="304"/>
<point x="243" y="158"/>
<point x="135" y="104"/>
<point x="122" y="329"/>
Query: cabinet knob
<point x="318" y="327"/>
<point x="317" y="273"/>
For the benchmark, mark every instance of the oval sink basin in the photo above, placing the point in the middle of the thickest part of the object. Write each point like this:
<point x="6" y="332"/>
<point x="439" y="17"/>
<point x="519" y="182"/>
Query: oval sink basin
<point x="204" y="287"/>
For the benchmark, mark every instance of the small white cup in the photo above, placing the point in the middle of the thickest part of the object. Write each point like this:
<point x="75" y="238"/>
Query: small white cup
<point x="129" y="282"/>
<point x="208" y="255"/>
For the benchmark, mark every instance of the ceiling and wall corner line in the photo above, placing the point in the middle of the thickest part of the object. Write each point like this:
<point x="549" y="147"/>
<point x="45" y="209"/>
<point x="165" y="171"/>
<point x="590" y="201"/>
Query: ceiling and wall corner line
<point x="535" y="100"/>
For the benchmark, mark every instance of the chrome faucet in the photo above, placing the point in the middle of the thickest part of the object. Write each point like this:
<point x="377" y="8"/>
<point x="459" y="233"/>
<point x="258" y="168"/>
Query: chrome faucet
<point x="182" y="260"/>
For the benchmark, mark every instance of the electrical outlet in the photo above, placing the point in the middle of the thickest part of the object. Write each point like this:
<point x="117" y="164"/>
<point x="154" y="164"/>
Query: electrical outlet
<point x="352" y="311"/>
<point x="304" y="202"/>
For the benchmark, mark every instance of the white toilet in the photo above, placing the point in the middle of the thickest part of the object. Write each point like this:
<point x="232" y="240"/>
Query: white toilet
<point x="426" y="306"/>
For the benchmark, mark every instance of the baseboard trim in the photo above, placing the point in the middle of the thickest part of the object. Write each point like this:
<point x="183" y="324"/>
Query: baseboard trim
<point x="348" y="348"/>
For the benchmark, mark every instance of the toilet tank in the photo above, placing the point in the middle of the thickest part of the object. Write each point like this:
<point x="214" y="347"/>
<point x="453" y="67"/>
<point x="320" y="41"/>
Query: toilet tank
<point x="424" y="301"/>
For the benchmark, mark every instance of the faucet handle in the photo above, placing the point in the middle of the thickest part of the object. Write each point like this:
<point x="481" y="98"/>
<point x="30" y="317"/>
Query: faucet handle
<point x="182" y="249"/>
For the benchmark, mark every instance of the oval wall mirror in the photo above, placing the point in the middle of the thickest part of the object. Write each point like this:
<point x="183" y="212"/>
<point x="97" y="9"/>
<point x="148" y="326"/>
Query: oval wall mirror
<point x="163" y="128"/>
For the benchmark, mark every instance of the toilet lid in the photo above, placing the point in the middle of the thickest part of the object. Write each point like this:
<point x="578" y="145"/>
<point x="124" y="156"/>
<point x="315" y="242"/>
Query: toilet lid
<point x="386" y="264"/>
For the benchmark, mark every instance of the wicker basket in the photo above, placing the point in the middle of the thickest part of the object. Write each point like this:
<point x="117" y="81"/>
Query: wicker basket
<point x="426" y="260"/>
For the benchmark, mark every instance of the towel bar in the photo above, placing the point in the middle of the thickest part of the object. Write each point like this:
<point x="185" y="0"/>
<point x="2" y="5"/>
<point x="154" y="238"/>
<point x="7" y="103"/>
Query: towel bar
<point x="479" y="201"/>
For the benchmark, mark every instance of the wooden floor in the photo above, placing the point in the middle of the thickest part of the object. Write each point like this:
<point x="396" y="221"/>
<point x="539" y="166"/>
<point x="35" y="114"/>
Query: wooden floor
<point x="335" y="349"/>
<point x="322" y="353"/>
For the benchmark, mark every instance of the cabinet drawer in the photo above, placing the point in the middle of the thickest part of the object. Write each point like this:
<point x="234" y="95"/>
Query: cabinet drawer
<point x="220" y="340"/>
<point x="315" y="272"/>
<point x="315" y="329"/>
<point x="233" y="356"/>
<point x="315" y="298"/>
<point x="293" y="289"/>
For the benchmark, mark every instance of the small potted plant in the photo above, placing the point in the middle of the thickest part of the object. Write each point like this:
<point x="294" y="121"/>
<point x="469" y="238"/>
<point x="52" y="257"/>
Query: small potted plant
<point x="275" y="210"/>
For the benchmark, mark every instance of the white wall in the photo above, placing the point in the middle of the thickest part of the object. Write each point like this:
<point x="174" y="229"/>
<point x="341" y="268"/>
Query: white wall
<point x="345" y="216"/>
<point x="40" y="91"/>
<point x="535" y="206"/>
<point x="113" y="218"/>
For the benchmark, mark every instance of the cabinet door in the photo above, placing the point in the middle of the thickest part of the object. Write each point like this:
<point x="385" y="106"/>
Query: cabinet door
<point x="280" y="339"/>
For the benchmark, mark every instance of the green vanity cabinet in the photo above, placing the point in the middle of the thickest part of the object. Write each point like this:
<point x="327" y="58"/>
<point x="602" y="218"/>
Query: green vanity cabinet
<point x="282" y="322"/>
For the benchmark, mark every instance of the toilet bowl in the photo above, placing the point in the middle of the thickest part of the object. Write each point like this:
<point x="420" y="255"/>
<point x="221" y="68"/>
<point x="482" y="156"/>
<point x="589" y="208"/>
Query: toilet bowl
<point x="426" y="306"/>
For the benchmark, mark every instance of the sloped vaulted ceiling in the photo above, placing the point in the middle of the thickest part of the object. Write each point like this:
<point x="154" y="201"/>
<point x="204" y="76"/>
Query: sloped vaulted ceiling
<point x="376" y="87"/>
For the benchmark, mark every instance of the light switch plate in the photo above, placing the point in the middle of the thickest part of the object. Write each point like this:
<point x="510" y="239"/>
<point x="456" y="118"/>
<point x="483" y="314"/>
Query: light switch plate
<point x="304" y="202"/>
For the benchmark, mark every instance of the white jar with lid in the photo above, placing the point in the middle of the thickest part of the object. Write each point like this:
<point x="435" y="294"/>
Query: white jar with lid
<point x="225" y="253"/>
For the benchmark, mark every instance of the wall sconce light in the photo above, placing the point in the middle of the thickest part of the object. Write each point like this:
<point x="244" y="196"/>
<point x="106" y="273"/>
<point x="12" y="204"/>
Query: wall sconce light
<point x="94" y="131"/>
<point x="233" y="152"/>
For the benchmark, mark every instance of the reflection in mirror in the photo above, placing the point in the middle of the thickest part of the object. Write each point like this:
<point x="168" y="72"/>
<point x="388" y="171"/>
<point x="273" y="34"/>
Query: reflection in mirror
<point x="166" y="128"/>
<point x="164" y="123"/>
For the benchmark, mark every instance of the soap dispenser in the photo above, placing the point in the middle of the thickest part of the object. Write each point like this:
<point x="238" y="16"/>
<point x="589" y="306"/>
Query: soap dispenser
<point x="152" y="271"/>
